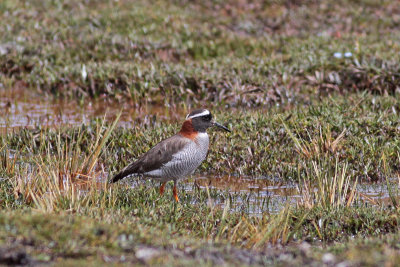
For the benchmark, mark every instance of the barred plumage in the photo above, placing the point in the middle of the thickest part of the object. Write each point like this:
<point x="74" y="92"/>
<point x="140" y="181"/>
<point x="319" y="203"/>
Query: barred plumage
<point x="184" y="162"/>
<point x="178" y="156"/>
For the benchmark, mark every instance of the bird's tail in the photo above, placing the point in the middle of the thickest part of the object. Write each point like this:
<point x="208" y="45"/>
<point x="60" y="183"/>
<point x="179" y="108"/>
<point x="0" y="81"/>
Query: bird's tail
<point x="117" y="177"/>
<point x="126" y="172"/>
<point x="121" y="175"/>
<point x="131" y="169"/>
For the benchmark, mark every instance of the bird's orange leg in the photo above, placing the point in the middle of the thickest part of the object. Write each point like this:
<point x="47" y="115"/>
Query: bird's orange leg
<point x="162" y="187"/>
<point x="175" y="193"/>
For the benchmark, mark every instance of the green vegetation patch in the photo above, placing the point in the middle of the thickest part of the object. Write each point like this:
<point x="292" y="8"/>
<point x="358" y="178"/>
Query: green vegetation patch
<point x="63" y="172"/>
<point x="309" y="88"/>
<point x="234" y="53"/>
<point x="359" y="130"/>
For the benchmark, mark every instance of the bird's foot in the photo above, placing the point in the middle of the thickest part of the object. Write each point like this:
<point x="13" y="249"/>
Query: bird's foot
<point x="175" y="194"/>
<point x="162" y="188"/>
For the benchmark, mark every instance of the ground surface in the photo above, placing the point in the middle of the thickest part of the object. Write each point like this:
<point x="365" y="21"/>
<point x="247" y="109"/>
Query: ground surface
<point x="310" y="88"/>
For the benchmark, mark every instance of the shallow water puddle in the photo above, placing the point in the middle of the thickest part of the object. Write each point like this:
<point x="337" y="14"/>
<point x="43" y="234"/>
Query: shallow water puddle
<point x="258" y="195"/>
<point x="252" y="195"/>
<point x="380" y="193"/>
<point x="22" y="108"/>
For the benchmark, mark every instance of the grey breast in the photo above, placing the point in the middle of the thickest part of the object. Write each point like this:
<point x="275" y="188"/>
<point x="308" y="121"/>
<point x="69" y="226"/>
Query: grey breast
<point x="185" y="161"/>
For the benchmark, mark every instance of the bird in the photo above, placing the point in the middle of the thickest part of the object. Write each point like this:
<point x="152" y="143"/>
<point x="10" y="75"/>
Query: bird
<point x="178" y="156"/>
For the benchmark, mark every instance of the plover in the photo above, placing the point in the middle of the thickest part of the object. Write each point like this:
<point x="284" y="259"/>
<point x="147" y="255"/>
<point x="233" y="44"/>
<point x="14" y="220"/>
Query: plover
<point x="178" y="156"/>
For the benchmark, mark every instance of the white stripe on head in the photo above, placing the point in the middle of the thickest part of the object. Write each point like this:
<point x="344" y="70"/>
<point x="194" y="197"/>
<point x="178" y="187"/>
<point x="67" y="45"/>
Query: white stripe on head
<point x="205" y="112"/>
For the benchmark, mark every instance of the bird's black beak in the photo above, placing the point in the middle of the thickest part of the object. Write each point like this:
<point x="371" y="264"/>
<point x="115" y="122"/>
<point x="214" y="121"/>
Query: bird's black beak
<point x="214" y="123"/>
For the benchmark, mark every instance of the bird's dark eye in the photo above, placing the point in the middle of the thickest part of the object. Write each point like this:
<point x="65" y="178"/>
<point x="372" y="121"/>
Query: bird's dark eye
<point x="207" y="117"/>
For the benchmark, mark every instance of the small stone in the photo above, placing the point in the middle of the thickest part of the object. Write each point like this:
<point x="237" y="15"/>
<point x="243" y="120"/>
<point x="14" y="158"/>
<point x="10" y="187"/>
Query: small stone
<point x="343" y="264"/>
<point x="328" y="258"/>
<point x="9" y="256"/>
<point x="337" y="55"/>
<point x="348" y="54"/>
<point x="305" y="247"/>
<point x="286" y="257"/>
<point x="146" y="254"/>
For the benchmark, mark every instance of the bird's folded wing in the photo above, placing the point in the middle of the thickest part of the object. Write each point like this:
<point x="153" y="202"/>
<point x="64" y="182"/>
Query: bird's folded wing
<point x="155" y="158"/>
